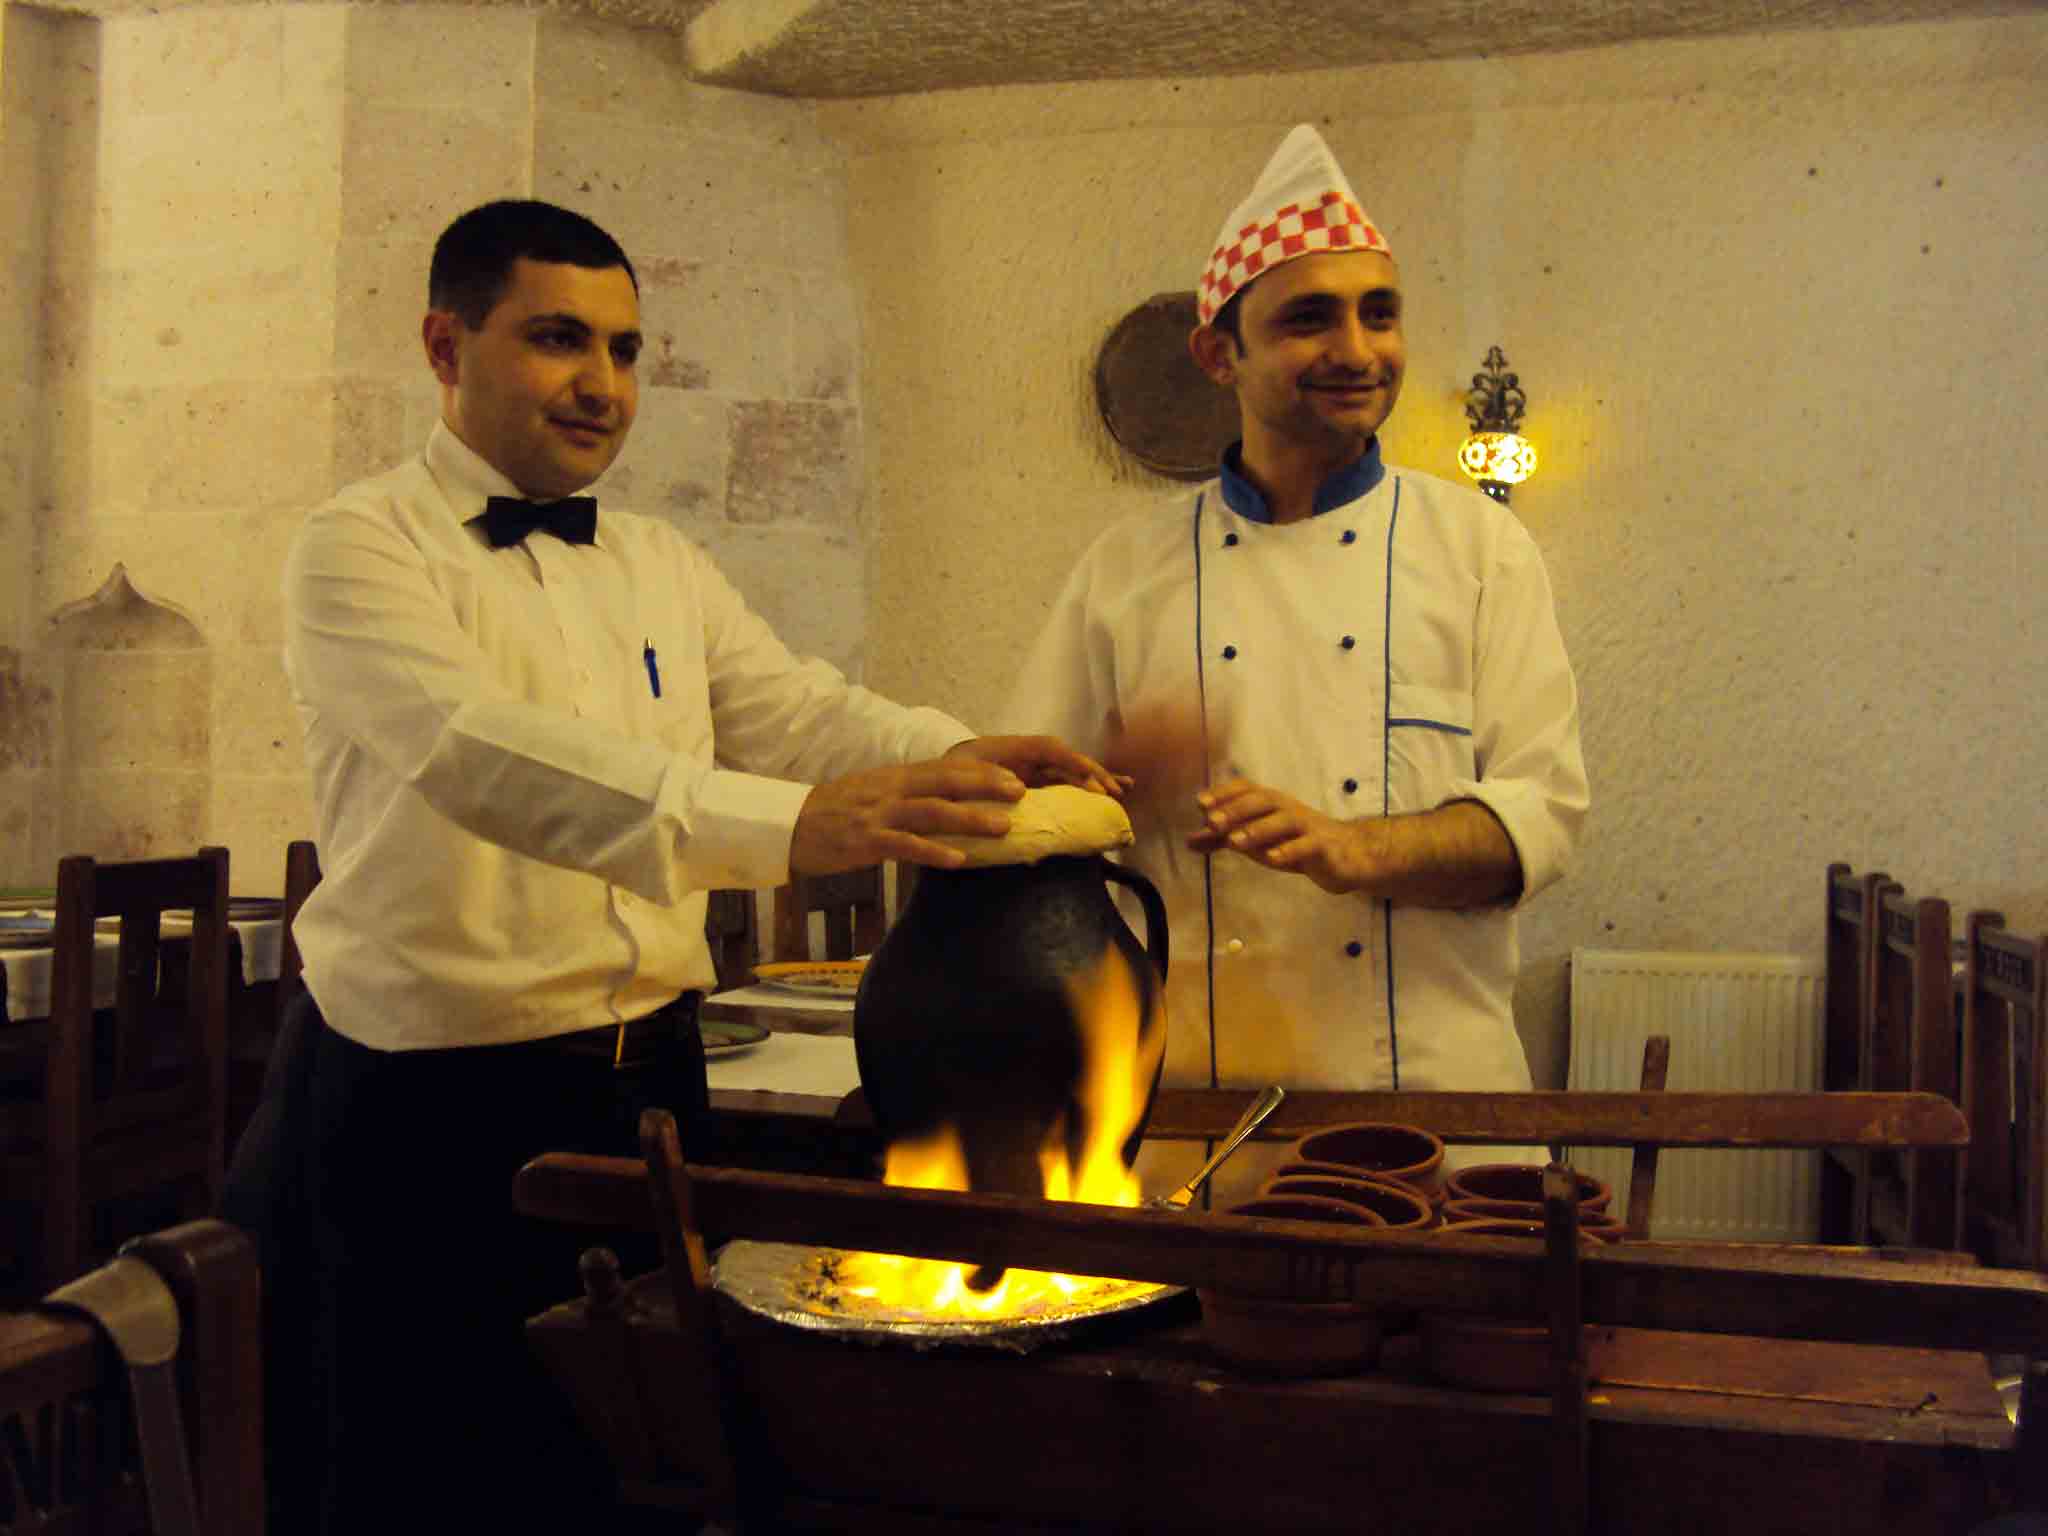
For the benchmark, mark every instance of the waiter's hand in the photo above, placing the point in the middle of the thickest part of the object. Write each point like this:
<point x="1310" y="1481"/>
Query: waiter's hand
<point x="1041" y="760"/>
<point x="1276" y="830"/>
<point x="865" y="818"/>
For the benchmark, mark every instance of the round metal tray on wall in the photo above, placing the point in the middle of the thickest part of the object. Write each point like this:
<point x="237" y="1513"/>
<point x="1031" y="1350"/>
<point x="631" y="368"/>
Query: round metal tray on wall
<point x="1162" y="409"/>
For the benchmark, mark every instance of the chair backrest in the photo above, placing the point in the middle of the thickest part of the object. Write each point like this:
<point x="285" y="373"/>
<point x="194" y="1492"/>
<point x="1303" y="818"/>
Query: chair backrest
<point x="301" y="874"/>
<point x="1910" y="1047"/>
<point x="2005" y="1085"/>
<point x="1851" y="970"/>
<point x="855" y="909"/>
<point x="143" y="1101"/>
<point x="733" y="930"/>
<point x="66" y="1423"/>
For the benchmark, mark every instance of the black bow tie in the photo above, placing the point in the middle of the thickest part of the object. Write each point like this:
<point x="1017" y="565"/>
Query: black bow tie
<point x="507" y="519"/>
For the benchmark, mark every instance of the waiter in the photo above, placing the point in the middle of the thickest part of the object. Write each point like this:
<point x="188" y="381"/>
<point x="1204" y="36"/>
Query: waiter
<point x="539" y="731"/>
<point x="1339" y="685"/>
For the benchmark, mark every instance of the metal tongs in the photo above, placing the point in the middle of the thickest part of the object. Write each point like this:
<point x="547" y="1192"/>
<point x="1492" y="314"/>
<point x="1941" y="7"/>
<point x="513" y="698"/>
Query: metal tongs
<point x="1264" y="1105"/>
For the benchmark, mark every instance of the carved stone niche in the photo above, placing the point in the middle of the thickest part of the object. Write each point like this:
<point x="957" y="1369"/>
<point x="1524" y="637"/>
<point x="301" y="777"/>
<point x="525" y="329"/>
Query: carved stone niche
<point x="135" y="747"/>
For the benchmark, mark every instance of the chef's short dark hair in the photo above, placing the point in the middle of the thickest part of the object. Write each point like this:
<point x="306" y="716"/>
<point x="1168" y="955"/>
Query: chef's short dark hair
<point x="1226" y="320"/>
<point x="474" y="256"/>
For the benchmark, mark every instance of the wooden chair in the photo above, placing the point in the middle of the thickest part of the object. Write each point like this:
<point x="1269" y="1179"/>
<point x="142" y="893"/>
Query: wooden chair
<point x="301" y="874"/>
<point x="855" y="908"/>
<point x="253" y="1030"/>
<point x="732" y="929"/>
<point x="2005" y="1085"/>
<point x="71" y="1461"/>
<point x="1850" y="953"/>
<point x="1909" y="1045"/>
<point x="134" y="1101"/>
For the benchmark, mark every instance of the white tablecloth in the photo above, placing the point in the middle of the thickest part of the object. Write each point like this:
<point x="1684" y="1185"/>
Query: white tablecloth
<point x="28" y="970"/>
<point x="821" y="1064"/>
<point x="761" y="996"/>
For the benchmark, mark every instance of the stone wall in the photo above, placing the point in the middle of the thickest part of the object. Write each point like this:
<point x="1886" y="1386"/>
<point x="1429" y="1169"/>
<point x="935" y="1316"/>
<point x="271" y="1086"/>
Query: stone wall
<point x="1773" y="302"/>
<point x="237" y="208"/>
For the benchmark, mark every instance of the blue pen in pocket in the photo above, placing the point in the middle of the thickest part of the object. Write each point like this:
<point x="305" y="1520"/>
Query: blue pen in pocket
<point x="653" y="669"/>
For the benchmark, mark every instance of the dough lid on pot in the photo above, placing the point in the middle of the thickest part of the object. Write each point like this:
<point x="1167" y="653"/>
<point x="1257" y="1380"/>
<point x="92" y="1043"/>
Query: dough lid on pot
<point x="1058" y="819"/>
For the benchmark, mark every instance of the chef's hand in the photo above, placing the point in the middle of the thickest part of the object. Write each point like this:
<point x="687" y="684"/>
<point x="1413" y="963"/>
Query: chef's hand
<point x="1454" y="857"/>
<point x="1278" y="831"/>
<point x="865" y="818"/>
<point x="1041" y="760"/>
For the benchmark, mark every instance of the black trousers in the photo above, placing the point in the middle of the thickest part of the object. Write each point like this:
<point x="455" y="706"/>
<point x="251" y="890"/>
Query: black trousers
<point x="400" y="1393"/>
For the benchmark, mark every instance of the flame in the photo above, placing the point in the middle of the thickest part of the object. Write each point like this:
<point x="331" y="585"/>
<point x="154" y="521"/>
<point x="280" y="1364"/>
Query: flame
<point x="1119" y="1062"/>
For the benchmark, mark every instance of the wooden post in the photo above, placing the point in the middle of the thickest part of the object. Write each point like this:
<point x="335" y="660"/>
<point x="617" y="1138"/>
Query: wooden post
<point x="1642" y="1174"/>
<point x="1568" y="1433"/>
<point x="689" y="1273"/>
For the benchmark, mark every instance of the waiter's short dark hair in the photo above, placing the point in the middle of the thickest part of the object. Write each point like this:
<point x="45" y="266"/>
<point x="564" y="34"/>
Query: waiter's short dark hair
<point x="474" y="256"/>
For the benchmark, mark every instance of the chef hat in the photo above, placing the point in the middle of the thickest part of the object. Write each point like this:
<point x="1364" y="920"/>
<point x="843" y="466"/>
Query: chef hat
<point x="1300" y="204"/>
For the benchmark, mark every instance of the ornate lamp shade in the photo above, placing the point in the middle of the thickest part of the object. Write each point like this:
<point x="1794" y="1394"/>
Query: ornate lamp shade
<point x="1496" y="454"/>
<point x="1504" y="458"/>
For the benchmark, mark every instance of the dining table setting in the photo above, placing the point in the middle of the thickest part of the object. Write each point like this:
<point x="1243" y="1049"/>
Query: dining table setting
<point x="28" y="921"/>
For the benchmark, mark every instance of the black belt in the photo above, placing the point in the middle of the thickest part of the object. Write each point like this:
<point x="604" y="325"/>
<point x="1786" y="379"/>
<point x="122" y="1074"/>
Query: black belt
<point x="637" y="1042"/>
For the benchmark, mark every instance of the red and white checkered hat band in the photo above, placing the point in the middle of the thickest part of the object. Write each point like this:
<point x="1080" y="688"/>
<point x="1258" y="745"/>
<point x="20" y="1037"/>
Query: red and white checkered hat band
<point x="1333" y="223"/>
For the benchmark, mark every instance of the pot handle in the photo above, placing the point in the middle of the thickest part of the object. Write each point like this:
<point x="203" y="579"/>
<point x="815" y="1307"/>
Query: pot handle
<point x="1155" y="909"/>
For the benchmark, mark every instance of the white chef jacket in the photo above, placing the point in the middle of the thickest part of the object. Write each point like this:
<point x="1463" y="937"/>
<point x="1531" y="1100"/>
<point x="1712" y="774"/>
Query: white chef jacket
<point x="1393" y="652"/>
<point x="529" y="764"/>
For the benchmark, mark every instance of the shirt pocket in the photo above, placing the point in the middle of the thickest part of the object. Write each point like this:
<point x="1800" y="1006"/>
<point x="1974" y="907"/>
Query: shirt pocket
<point x="1429" y="745"/>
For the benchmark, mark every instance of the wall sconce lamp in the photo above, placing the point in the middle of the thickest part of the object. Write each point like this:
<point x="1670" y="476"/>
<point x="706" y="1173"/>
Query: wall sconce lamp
<point x="1496" y="454"/>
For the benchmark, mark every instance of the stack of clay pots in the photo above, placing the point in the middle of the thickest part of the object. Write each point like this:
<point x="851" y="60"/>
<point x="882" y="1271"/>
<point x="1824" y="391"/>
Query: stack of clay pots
<point x="1378" y="1175"/>
<point x="1494" y="1354"/>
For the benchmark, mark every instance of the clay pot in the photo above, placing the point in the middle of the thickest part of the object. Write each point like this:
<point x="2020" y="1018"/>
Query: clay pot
<point x="1407" y="1152"/>
<point x="1493" y="1354"/>
<point x="1297" y="1168"/>
<point x="1294" y="1338"/>
<point x="1397" y="1204"/>
<point x="1293" y="1207"/>
<point x="966" y="1015"/>
<point x="1598" y="1223"/>
<point x="1521" y="1183"/>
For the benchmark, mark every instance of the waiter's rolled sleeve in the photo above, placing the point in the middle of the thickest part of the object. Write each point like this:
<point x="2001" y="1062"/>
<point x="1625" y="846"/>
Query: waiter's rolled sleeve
<point x="736" y="826"/>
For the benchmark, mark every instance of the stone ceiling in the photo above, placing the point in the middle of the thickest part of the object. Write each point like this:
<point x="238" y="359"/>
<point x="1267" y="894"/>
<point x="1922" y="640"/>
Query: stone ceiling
<point x="844" y="48"/>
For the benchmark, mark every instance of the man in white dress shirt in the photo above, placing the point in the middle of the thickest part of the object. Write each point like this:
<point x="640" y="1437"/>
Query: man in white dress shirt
<point x="539" y="732"/>
<point x="1339" y="684"/>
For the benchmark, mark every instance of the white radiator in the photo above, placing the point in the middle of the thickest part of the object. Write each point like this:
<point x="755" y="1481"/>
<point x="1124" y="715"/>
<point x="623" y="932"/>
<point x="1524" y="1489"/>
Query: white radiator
<point x="1738" y="1024"/>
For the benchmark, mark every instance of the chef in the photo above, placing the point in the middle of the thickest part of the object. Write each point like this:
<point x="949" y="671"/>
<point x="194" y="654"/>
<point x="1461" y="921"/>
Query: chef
<point x="1339" y="684"/>
<point x="539" y="729"/>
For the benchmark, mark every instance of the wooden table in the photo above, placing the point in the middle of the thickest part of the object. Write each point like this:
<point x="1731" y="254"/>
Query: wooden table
<point x="1780" y="1390"/>
<point x="792" y="1132"/>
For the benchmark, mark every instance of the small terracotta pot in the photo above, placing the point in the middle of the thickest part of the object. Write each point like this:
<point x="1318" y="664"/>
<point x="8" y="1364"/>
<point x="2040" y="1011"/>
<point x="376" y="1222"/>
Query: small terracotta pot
<point x="1598" y="1223"/>
<point x="1518" y="1226"/>
<point x="1407" y="1152"/>
<point x="1495" y="1356"/>
<point x="1294" y="1338"/>
<point x="1307" y="1208"/>
<point x="1521" y="1183"/>
<point x="1291" y="1338"/>
<point x="1398" y="1204"/>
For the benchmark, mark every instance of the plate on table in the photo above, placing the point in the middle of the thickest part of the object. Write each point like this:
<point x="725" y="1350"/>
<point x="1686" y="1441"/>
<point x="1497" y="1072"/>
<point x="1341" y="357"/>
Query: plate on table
<point x="723" y="1038"/>
<point x="26" y="930"/>
<point x="813" y="978"/>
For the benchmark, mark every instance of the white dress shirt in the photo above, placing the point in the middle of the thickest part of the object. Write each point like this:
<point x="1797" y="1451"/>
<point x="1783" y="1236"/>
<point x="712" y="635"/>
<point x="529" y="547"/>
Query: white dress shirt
<point x="1394" y="652"/>
<point x="529" y="764"/>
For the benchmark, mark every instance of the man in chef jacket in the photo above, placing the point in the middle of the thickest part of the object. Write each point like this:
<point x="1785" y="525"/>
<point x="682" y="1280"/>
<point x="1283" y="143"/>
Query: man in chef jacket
<point x="1340" y="686"/>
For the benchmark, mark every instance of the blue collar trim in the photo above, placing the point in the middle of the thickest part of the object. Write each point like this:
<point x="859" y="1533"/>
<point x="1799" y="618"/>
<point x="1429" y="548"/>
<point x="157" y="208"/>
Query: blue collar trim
<point x="1346" y="485"/>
